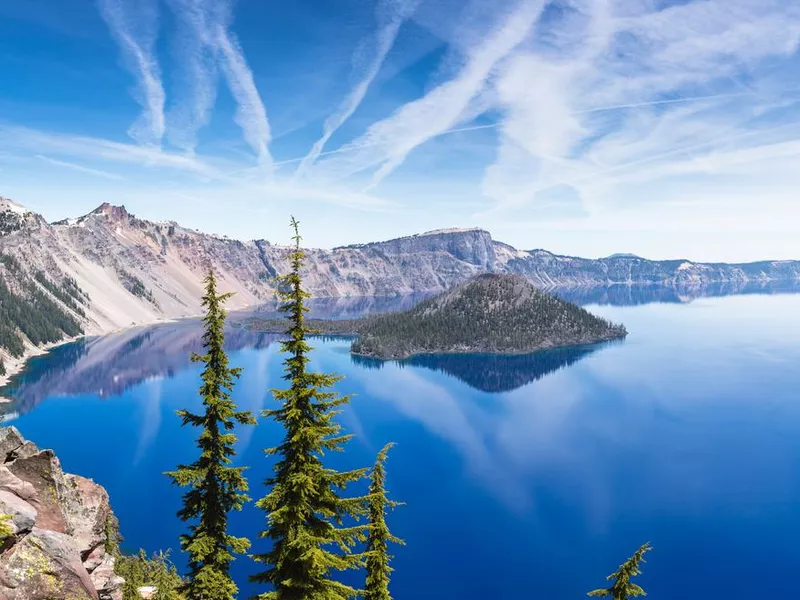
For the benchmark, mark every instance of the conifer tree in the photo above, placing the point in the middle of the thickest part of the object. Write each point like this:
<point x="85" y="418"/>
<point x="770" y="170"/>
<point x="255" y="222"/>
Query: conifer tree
<point x="311" y="525"/>
<point x="622" y="588"/>
<point x="216" y="488"/>
<point x="378" y="569"/>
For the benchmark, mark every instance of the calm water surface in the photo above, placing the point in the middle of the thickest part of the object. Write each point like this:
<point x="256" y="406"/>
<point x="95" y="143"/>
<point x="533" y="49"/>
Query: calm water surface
<point x="527" y="477"/>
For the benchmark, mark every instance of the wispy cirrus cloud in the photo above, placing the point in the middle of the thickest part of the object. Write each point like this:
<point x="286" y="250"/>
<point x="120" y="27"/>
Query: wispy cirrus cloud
<point x="205" y="46"/>
<point x="134" y="26"/>
<point x="196" y="95"/>
<point x="99" y="150"/>
<point x="390" y="16"/>
<point x="674" y="76"/>
<point x="386" y="143"/>
<point x="80" y="168"/>
<point x="251" y="115"/>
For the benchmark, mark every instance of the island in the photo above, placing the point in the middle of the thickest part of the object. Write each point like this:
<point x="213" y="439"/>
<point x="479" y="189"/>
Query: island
<point x="488" y="314"/>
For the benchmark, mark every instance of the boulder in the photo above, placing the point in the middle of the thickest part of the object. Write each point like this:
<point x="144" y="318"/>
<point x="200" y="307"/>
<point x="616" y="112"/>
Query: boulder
<point x="61" y="525"/>
<point x="43" y="471"/>
<point x="45" y="565"/>
<point x="23" y="515"/>
<point x="10" y="440"/>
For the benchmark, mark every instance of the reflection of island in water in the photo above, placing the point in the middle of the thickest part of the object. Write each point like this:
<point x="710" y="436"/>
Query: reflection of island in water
<point x="109" y="365"/>
<point x="493" y="373"/>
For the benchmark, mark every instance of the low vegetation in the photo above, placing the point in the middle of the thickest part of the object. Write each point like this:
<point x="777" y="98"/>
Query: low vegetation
<point x="156" y="571"/>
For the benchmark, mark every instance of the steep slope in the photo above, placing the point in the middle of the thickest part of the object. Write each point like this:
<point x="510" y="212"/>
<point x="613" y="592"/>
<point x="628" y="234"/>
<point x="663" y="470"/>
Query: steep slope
<point x="109" y="270"/>
<point x="490" y="313"/>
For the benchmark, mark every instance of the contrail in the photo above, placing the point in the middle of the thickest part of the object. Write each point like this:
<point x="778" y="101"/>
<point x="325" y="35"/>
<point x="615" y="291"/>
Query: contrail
<point x="134" y="26"/>
<point x="496" y="125"/>
<point x="390" y="16"/>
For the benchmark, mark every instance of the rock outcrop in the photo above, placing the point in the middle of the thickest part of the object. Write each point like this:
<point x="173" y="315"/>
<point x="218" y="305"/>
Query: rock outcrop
<point x="62" y="529"/>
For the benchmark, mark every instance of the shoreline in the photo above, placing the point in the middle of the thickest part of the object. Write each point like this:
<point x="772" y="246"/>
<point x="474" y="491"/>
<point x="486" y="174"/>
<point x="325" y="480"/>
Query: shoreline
<point x="15" y="366"/>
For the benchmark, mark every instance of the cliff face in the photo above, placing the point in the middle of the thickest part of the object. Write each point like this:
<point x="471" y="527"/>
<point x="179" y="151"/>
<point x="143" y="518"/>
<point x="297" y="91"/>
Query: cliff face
<point x="58" y="544"/>
<point x="110" y="269"/>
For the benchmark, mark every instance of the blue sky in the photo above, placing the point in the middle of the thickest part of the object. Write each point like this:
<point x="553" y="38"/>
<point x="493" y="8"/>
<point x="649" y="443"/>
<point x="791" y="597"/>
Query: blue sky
<point x="665" y="128"/>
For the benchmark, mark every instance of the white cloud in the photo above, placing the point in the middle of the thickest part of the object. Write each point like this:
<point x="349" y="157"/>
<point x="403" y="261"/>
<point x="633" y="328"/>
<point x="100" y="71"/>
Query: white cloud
<point x="101" y="150"/>
<point x="79" y="168"/>
<point x="197" y="73"/>
<point x="205" y="43"/>
<point x="556" y="128"/>
<point x="134" y="26"/>
<point x="390" y="14"/>
<point x="251" y="115"/>
<point x="387" y="143"/>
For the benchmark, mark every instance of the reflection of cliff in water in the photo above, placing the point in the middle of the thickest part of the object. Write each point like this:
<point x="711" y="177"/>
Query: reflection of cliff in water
<point x="633" y="295"/>
<point x="108" y="365"/>
<point x="345" y="308"/>
<point x="492" y="372"/>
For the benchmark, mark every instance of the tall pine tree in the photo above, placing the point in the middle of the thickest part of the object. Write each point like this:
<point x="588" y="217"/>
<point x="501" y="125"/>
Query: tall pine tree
<point x="216" y="488"/>
<point x="378" y="569"/>
<point x="310" y="524"/>
<point x="621" y="586"/>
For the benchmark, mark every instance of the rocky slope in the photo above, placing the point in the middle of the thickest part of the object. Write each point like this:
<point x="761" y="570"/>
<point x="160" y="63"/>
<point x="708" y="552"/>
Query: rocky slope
<point x="60" y="525"/>
<point x="109" y="270"/>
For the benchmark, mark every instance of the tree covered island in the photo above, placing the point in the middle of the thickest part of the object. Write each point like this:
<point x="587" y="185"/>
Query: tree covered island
<point x="492" y="314"/>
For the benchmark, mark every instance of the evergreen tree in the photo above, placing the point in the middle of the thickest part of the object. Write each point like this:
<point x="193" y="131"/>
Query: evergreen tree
<point x="378" y="569"/>
<point x="306" y="512"/>
<point x="622" y="588"/>
<point x="216" y="488"/>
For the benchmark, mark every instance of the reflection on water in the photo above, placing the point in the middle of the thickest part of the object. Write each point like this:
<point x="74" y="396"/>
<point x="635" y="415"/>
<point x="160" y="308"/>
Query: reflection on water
<point x="493" y="373"/>
<point x="687" y="435"/>
<point x="109" y="365"/>
<point x="346" y="308"/>
<point x="636" y="294"/>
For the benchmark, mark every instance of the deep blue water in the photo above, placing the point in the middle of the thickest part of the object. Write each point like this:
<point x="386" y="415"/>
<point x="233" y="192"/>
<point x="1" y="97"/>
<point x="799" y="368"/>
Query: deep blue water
<point x="527" y="477"/>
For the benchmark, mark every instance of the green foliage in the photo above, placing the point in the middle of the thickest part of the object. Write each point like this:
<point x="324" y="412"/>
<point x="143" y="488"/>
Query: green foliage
<point x="489" y="313"/>
<point x="136" y="286"/>
<point x="621" y="586"/>
<point x="378" y="558"/>
<point x="5" y="527"/>
<point x="30" y="312"/>
<point x="312" y="527"/>
<point x="216" y="488"/>
<point x="68" y="294"/>
<point x="157" y="571"/>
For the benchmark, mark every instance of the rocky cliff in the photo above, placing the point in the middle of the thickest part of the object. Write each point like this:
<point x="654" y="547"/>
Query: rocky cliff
<point x="109" y="270"/>
<point x="61" y="529"/>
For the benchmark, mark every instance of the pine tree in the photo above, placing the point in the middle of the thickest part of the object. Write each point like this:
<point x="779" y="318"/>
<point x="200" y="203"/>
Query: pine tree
<point x="622" y="588"/>
<point x="378" y="569"/>
<point x="216" y="488"/>
<point x="311" y="526"/>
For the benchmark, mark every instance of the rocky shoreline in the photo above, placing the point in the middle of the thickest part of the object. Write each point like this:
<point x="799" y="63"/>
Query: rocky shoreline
<point x="62" y="535"/>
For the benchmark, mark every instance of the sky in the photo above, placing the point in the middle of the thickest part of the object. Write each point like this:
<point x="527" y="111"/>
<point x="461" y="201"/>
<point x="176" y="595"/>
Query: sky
<point x="665" y="128"/>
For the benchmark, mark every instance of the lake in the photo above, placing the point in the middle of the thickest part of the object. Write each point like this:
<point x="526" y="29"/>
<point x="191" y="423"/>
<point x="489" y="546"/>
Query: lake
<point x="523" y="477"/>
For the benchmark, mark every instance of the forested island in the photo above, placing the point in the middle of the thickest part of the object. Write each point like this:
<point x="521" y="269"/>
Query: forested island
<point x="490" y="313"/>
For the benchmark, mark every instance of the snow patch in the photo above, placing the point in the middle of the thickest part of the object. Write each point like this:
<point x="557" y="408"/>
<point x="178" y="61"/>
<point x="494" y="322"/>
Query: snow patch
<point x="6" y="204"/>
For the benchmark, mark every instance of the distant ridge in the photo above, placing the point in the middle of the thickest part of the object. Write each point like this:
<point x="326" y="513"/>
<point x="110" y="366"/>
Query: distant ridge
<point x="110" y="269"/>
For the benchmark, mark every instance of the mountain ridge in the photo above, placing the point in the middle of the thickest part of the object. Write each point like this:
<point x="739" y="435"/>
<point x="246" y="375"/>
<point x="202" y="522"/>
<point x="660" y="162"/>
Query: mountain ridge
<point x="110" y="269"/>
